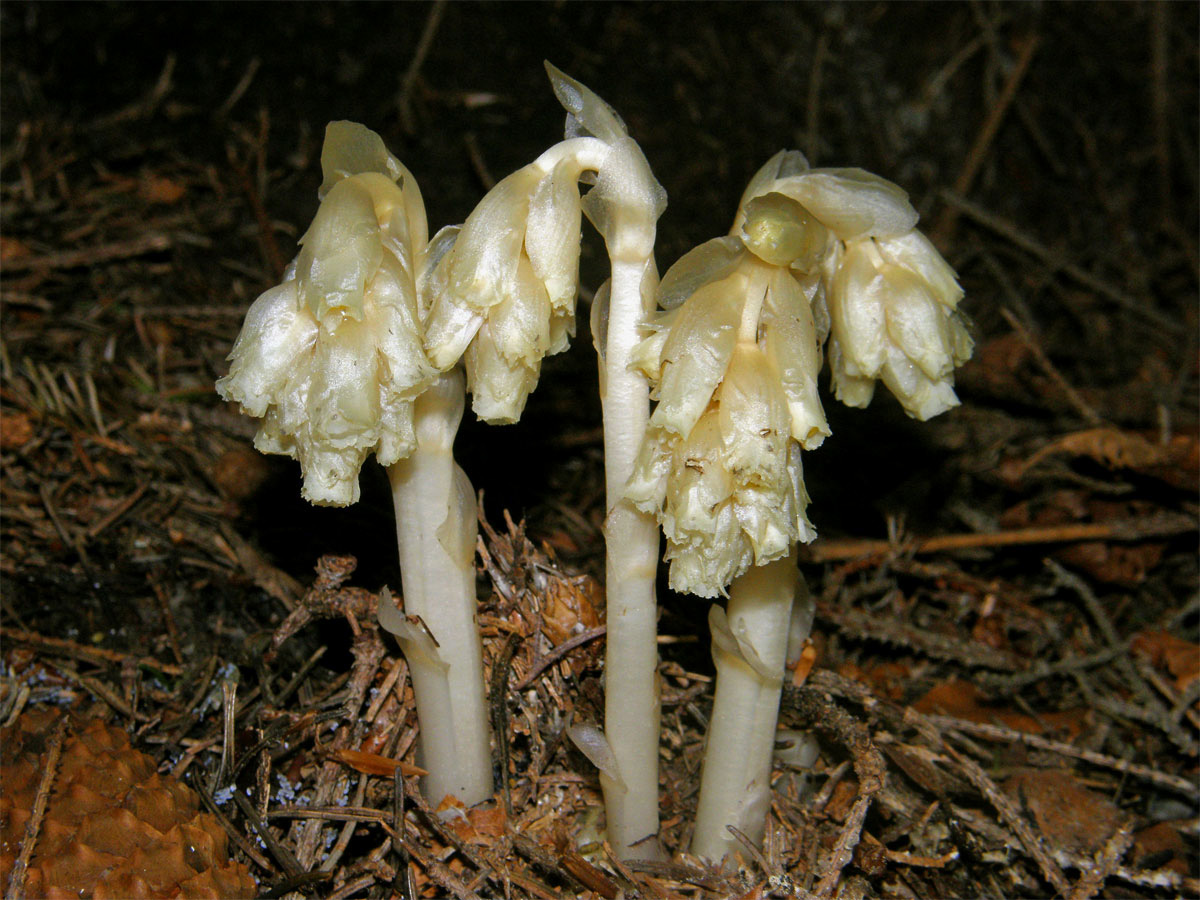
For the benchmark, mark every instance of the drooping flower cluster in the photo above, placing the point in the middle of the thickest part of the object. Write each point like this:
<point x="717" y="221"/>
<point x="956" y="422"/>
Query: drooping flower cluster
<point x="331" y="359"/>
<point x="503" y="296"/>
<point x="735" y="367"/>
<point x="890" y="299"/>
<point x="814" y="256"/>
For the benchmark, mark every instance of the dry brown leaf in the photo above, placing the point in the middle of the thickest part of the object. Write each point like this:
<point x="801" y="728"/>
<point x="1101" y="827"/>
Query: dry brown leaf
<point x="160" y="189"/>
<point x="1110" y="447"/>
<point x="996" y="363"/>
<point x="961" y="700"/>
<point x="1113" y="563"/>
<point x="11" y="249"/>
<point x="16" y="430"/>
<point x="842" y="799"/>
<point x="240" y="472"/>
<point x="481" y="825"/>
<point x="1161" y="846"/>
<point x="569" y="607"/>
<point x="1162" y="649"/>
<point x="888" y="678"/>
<point x="1067" y="814"/>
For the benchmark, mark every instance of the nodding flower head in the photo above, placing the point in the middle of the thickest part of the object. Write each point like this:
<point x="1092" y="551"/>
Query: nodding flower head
<point x="814" y="255"/>
<point x="889" y="300"/>
<point x="505" y="295"/>
<point x="893" y="317"/>
<point x="331" y="359"/>
<point x="734" y="367"/>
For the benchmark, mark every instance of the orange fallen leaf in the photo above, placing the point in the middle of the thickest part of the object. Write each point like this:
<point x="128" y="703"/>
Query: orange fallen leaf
<point x="11" y="249"/>
<point x="16" y="430"/>
<point x="160" y="189"/>
<point x="889" y="678"/>
<point x="374" y="764"/>
<point x="488" y="821"/>
<point x="961" y="700"/>
<point x="570" y="606"/>
<point x="1162" y="649"/>
<point x="845" y="792"/>
<point x="240" y="472"/>
<point x="478" y="825"/>
<point x="1113" y="563"/>
<point x="1068" y="814"/>
<point x="1158" y="841"/>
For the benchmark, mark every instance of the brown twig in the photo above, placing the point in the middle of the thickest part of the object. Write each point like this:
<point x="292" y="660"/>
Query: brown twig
<point x="813" y="708"/>
<point x="266" y="231"/>
<point x="1160" y="103"/>
<point x="1094" y="876"/>
<point x="1005" y="734"/>
<point x="1011" y="816"/>
<point x="87" y="257"/>
<point x="888" y="630"/>
<point x="89" y="654"/>
<point x="1072" y="395"/>
<point x="118" y="511"/>
<point x="409" y="81"/>
<point x="497" y="696"/>
<point x="557" y="653"/>
<point x="812" y="128"/>
<point x="69" y="537"/>
<point x="1140" y="529"/>
<point x="983" y="140"/>
<point x="16" y="879"/>
<point x="1140" y="306"/>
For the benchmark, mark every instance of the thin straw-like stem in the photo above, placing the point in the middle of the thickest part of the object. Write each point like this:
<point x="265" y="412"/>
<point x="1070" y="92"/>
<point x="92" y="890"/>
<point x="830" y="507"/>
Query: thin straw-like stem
<point x="750" y="646"/>
<point x="631" y="716"/>
<point x="436" y="530"/>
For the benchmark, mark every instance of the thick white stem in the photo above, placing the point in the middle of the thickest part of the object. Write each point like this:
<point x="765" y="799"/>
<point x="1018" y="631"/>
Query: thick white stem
<point x="436" y="530"/>
<point x="750" y="646"/>
<point x="631" y="716"/>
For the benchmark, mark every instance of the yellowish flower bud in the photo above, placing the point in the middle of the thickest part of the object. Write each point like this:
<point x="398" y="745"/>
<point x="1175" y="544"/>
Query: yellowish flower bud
<point x="780" y="231"/>
<point x="332" y="358"/>
<point x="509" y="285"/>
<point x="893" y="318"/>
<point x="735" y="371"/>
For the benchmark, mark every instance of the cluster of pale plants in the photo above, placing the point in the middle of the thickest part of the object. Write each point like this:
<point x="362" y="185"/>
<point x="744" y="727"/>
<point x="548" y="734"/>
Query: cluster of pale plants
<point x="708" y="383"/>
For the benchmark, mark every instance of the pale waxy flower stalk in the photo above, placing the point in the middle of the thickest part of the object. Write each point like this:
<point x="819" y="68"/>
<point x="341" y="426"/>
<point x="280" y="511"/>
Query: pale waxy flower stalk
<point x="624" y="204"/>
<point x="502" y="293"/>
<point x="815" y="258"/>
<point x="333" y="361"/>
<point x="354" y="353"/>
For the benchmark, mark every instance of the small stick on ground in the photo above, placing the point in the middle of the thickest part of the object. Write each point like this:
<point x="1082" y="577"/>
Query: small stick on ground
<point x="1140" y="306"/>
<point x="983" y="140"/>
<point x="88" y="654"/>
<point x="413" y="72"/>
<point x="1003" y="733"/>
<point x="1011" y="817"/>
<point x="89" y="257"/>
<point x="499" y="713"/>
<point x="1049" y="368"/>
<point x="1093" y="877"/>
<point x="16" y="880"/>
<point x="813" y="708"/>
<point x="1139" y="529"/>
